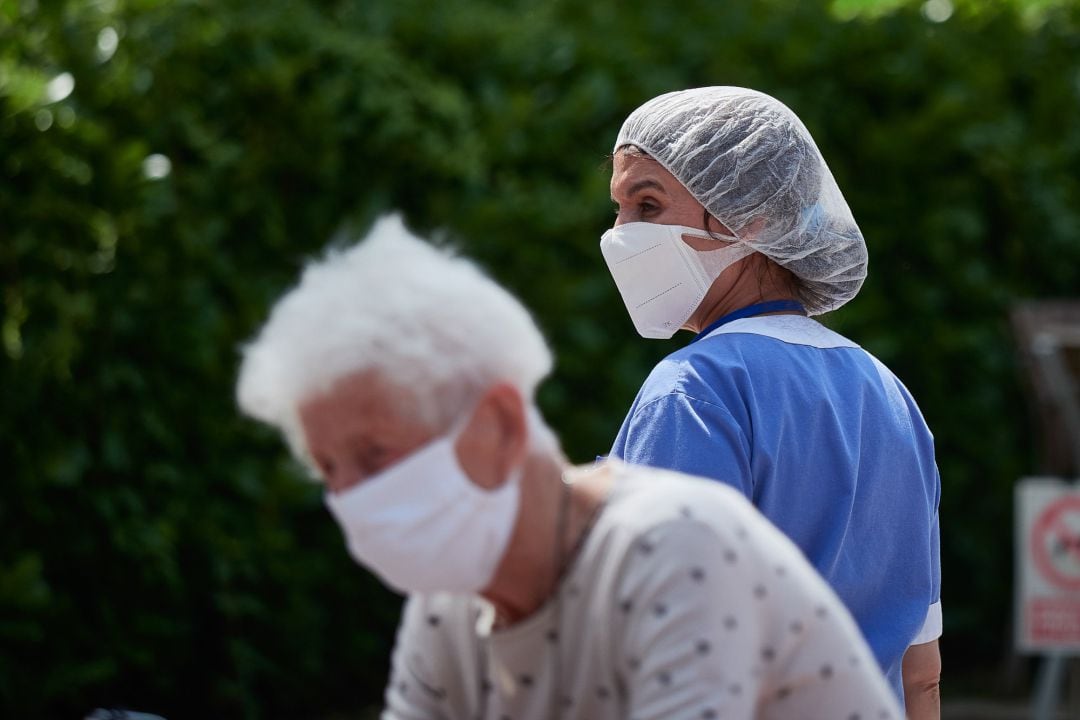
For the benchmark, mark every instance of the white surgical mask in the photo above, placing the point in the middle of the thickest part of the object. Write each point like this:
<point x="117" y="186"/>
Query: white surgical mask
<point x="422" y="526"/>
<point x="662" y="280"/>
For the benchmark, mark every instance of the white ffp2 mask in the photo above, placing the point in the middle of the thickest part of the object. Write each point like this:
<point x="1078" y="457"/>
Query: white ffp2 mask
<point x="422" y="526"/>
<point x="661" y="279"/>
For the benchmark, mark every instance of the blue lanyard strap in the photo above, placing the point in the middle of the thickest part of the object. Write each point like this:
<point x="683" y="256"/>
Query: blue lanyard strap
<point x="761" y="308"/>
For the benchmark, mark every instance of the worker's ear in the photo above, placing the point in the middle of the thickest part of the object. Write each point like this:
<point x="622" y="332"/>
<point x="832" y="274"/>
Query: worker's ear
<point x="495" y="440"/>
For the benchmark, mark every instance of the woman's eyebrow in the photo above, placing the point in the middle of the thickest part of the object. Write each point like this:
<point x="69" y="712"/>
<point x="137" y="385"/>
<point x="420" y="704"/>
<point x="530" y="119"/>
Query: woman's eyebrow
<point x="642" y="185"/>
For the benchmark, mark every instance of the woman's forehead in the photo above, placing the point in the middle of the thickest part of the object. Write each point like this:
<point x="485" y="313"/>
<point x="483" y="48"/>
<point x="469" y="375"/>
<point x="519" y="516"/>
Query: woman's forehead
<point x="360" y="401"/>
<point x="630" y="173"/>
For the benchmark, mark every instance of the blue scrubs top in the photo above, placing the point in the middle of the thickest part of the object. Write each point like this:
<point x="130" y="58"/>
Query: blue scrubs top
<point x="827" y="443"/>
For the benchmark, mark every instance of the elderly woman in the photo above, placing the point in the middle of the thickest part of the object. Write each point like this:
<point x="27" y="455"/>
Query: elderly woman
<point x="730" y="225"/>
<point x="405" y="379"/>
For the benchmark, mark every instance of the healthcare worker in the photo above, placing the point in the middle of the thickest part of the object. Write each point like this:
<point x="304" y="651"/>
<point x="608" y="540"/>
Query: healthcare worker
<point x="730" y="225"/>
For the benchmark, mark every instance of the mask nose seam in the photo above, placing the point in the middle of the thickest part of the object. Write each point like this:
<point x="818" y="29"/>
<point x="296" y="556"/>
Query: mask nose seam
<point x="639" y="252"/>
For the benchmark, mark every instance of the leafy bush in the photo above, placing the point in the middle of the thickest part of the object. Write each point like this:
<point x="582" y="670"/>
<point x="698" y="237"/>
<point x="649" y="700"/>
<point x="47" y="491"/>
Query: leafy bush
<point x="160" y="552"/>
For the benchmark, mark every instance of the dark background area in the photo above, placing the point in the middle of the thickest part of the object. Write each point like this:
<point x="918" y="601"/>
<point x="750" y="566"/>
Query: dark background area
<point x="166" y="167"/>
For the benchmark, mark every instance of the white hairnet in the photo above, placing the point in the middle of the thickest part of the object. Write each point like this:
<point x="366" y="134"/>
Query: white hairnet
<point x="753" y="165"/>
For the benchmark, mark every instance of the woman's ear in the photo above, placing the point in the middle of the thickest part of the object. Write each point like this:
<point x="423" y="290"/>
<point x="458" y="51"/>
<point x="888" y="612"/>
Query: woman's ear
<point x="495" y="440"/>
<point x="712" y="225"/>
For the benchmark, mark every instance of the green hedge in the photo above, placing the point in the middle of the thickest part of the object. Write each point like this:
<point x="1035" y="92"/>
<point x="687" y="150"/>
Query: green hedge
<point x="161" y="553"/>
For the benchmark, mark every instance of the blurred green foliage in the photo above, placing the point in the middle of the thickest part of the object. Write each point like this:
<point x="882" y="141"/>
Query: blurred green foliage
<point x="167" y="166"/>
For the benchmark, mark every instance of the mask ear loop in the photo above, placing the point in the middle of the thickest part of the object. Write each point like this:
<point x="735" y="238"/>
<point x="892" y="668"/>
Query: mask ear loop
<point x="719" y="260"/>
<point x="714" y="262"/>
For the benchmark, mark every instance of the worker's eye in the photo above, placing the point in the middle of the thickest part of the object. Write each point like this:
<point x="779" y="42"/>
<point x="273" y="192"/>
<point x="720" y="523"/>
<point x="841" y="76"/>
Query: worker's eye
<point x="374" y="458"/>
<point x="647" y="208"/>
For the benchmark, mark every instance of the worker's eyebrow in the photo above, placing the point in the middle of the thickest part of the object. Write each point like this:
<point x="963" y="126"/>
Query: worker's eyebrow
<point x="642" y="185"/>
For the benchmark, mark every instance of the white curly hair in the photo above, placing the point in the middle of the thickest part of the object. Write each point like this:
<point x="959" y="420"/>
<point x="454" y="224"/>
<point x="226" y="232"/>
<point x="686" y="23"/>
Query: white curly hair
<point x="425" y="319"/>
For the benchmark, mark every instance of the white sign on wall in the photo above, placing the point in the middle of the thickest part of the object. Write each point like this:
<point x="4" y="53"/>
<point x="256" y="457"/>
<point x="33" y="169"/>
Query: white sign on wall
<point x="1047" y="565"/>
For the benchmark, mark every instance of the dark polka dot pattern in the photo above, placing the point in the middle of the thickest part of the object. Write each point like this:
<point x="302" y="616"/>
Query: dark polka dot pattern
<point x="752" y="594"/>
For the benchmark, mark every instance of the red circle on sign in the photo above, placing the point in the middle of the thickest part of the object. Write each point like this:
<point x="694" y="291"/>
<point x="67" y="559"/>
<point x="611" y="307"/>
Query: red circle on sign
<point x="1053" y="535"/>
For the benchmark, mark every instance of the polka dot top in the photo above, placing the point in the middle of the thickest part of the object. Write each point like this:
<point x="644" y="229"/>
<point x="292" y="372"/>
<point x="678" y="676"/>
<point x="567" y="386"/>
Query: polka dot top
<point x="684" y="602"/>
